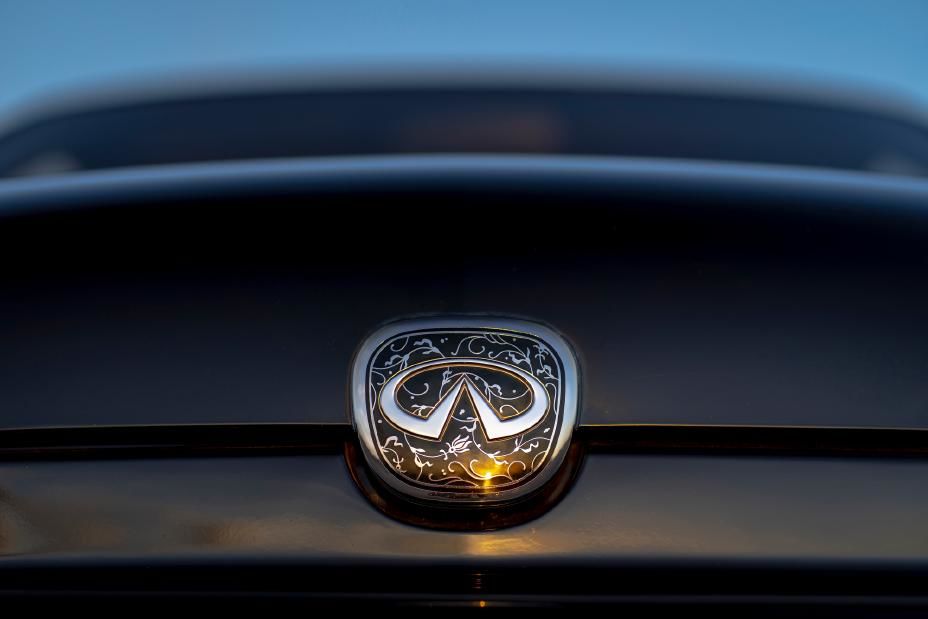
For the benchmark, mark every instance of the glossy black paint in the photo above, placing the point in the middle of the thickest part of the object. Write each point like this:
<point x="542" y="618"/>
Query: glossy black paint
<point x="694" y="293"/>
<point x="631" y="525"/>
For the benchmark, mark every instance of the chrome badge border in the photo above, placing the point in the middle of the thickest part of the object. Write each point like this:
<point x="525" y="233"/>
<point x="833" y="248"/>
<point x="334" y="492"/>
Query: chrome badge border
<point x="360" y="415"/>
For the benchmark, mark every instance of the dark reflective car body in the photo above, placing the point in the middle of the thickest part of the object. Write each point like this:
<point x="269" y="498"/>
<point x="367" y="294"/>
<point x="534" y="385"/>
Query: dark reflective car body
<point x="751" y="341"/>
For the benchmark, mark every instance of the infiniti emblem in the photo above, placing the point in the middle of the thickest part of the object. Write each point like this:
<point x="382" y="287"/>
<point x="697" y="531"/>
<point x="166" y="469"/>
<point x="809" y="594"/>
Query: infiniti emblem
<point x="465" y="410"/>
<point x="464" y="380"/>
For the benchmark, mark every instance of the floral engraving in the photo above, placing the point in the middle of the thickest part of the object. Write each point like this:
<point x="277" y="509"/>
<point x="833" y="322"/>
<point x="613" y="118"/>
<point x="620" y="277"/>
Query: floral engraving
<point x="463" y="459"/>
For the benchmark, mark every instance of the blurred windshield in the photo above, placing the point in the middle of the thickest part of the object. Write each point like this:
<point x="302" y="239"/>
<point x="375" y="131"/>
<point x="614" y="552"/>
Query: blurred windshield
<point x="105" y="84"/>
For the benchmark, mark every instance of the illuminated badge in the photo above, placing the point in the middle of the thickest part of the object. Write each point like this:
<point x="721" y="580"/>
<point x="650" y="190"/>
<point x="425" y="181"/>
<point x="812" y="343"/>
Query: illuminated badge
<point x="464" y="410"/>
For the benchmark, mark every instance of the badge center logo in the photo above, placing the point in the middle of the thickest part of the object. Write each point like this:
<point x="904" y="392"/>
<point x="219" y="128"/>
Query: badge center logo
<point x="431" y="422"/>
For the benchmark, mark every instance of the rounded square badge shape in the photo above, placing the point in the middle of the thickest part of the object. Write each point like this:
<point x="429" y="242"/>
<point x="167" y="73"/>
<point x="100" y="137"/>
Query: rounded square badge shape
<point x="467" y="411"/>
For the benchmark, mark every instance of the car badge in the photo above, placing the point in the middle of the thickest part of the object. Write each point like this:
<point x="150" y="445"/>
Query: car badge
<point x="471" y="411"/>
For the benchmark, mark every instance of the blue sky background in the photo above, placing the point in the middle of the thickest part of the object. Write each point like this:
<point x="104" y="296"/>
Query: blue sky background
<point x="47" y="45"/>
